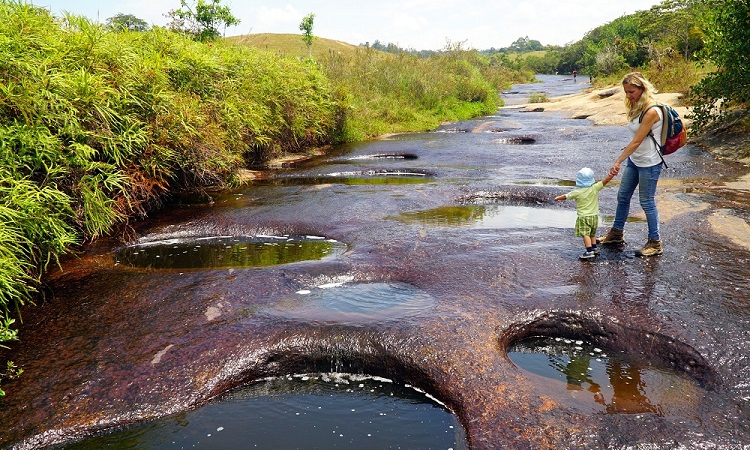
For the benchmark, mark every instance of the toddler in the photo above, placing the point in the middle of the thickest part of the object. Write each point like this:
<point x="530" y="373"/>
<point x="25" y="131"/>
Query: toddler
<point x="586" y="196"/>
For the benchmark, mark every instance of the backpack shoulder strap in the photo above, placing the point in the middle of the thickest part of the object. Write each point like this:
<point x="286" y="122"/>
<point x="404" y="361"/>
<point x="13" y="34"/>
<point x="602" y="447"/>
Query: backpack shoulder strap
<point x="666" y="119"/>
<point x="640" y="118"/>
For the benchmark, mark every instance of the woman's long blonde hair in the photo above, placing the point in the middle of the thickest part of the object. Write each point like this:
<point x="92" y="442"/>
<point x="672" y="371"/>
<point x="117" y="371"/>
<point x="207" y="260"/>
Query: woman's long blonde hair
<point x="647" y="98"/>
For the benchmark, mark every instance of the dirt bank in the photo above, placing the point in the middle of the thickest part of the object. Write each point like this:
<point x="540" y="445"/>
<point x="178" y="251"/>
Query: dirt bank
<point x="605" y="106"/>
<point x="602" y="106"/>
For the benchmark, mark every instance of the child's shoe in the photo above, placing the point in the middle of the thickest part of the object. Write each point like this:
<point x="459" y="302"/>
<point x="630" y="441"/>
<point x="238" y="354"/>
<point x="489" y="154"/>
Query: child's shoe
<point x="587" y="255"/>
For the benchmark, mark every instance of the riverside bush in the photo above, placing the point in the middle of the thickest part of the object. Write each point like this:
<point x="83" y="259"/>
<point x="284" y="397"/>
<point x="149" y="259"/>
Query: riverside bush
<point x="98" y="127"/>
<point x="388" y="93"/>
<point x="676" y="75"/>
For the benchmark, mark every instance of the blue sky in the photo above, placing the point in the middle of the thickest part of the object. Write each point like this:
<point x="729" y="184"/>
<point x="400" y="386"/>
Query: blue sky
<point x="417" y="24"/>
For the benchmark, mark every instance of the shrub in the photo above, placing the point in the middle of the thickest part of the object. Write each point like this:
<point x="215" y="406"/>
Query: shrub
<point x="98" y="126"/>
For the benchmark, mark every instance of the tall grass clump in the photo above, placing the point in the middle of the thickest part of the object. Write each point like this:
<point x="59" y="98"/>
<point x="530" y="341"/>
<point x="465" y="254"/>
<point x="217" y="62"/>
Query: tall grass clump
<point x="675" y="74"/>
<point x="672" y="73"/>
<point x="386" y="93"/>
<point x="98" y="127"/>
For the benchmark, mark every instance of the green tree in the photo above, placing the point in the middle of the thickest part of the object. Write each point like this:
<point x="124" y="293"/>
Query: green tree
<point x="203" y="20"/>
<point x="571" y="57"/>
<point x="306" y="26"/>
<point x="676" y="25"/>
<point x="127" y="22"/>
<point x="608" y="61"/>
<point x="728" y="47"/>
<point x="544" y="64"/>
<point x="524" y="44"/>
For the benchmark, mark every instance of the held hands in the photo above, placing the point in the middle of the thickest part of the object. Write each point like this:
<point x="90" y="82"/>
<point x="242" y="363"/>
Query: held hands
<point x="616" y="166"/>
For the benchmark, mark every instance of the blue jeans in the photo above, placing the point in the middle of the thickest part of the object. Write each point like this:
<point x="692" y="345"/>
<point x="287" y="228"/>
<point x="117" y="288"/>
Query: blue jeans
<point x="646" y="178"/>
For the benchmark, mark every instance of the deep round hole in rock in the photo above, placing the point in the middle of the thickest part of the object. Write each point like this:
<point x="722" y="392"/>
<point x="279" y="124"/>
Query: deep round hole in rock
<point x="227" y="251"/>
<point x="312" y="411"/>
<point x="608" y="381"/>
<point x="354" y="303"/>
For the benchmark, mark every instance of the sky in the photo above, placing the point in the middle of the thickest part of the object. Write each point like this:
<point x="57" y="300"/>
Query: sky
<point x="410" y="24"/>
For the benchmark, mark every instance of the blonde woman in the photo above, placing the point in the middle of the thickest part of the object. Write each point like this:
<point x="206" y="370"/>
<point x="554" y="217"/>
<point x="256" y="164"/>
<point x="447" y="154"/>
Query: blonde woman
<point x="642" y="163"/>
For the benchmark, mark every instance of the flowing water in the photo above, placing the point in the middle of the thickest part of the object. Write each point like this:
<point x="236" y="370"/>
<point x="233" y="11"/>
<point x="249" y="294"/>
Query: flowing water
<point x="417" y="291"/>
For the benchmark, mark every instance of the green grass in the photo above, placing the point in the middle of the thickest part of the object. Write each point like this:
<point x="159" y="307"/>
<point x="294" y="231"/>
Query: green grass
<point x="98" y="127"/>
<point x="538" y="97"/>
<point x="524" y="55"/>
<point x="385" y="93"/>
<point x="675" y="75"/>
<point x="293" y="45"/>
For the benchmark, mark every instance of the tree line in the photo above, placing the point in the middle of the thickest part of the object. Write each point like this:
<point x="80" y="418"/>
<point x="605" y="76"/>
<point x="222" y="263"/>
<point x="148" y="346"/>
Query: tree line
<point x="700" y="48"/>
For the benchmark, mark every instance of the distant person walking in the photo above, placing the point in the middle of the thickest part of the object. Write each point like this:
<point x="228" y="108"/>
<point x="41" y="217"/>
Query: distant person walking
<point x="586" y="196"/>
<point x="643" y="163"/>
<point x="575" y="72"/>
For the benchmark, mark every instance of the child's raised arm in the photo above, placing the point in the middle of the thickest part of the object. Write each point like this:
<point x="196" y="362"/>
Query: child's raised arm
<point x="608" y="178"/>
<point x="561" y="197"/>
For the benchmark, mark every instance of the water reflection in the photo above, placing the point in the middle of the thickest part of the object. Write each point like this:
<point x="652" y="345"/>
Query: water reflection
<point x="395" y="155"/>
<point x="566" y="183"/>
<point x="227" y="251"/>
<point x="617" y="383"/>
<point x="491" y="216"/>
<point x="368" y="177"/>
<point x="319" y="411"/>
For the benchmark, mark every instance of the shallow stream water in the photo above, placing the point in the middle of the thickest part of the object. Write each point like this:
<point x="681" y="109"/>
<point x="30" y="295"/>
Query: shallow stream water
<point x="435" y="265"/>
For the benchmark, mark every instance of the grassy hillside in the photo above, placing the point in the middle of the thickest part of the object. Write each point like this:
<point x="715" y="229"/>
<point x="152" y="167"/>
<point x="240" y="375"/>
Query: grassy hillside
<point x="293" y="45"/>
<point x="523" y="56"/>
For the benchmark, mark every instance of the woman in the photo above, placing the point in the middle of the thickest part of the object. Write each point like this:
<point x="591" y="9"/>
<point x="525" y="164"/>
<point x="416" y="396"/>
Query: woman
<point x="643" y="163"/>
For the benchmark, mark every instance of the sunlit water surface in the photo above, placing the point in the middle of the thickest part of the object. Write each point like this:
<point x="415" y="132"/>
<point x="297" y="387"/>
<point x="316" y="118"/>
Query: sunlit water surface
<point x="353" y="303"/>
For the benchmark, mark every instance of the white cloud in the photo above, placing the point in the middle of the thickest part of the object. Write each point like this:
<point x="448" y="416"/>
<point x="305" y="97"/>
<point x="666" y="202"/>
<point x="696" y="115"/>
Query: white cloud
<point x="276" y="19"/>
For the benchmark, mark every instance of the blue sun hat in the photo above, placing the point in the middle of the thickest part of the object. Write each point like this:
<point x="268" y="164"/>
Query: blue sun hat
<point x="585" y="178"/>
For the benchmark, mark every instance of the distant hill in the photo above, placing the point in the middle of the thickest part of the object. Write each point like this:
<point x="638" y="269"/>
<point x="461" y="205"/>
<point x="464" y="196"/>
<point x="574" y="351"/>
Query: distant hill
<point x="292" y="44"/>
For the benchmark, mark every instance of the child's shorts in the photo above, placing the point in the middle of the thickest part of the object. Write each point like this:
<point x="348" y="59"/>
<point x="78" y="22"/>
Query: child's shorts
<point x="587" y="225"/>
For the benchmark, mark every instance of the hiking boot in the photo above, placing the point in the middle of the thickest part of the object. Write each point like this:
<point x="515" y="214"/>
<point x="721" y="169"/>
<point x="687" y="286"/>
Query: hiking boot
<point x="587" y="255"/>
<point x="652" y="248"/>
<point x="613" y="236"/>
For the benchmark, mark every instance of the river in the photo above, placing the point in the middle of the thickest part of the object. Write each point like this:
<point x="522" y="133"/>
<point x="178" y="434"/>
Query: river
<point x="430" y="275"/>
